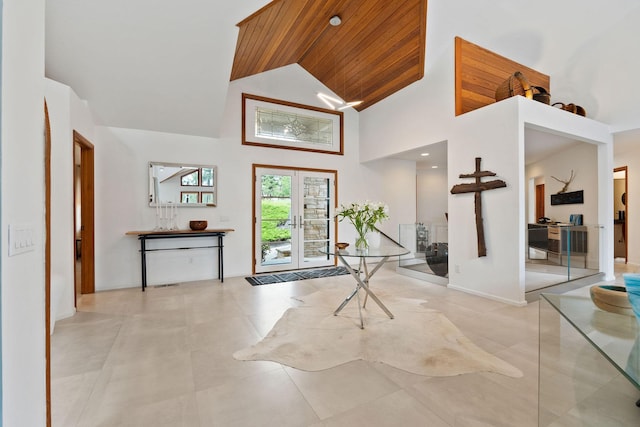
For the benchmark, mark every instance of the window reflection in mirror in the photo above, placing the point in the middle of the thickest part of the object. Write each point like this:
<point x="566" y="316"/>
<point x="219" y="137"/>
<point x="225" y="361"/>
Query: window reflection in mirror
<point x="190" y="179"/>
<point x="185" y="184"/>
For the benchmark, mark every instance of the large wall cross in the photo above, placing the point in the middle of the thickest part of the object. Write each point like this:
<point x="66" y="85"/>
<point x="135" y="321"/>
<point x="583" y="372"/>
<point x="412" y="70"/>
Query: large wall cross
<point x="478" y="187"/>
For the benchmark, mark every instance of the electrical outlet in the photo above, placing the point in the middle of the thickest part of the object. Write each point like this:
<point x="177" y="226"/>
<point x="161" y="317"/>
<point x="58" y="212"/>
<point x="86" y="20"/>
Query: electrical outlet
<point x="457" y="268"/>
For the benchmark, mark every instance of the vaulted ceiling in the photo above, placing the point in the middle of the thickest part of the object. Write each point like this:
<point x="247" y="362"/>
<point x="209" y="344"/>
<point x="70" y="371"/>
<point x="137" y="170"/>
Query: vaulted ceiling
<point x="165" y="66"/>
<point x="376" y="50"/>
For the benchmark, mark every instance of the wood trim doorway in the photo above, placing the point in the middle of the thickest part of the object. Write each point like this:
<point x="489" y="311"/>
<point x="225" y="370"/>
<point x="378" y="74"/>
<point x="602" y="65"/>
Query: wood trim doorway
<point x="624" y="221"/>
<point x="307" y="220"/>
<point x="83" y="191"/>
<point x="47" y="258"/>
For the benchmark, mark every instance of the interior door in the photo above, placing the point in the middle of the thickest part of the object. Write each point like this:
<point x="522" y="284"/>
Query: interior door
<point x="539" y="201"/>
<point x="620" y="214"/>
<point x="84" y="219"/>
<point x="293" y="213"/>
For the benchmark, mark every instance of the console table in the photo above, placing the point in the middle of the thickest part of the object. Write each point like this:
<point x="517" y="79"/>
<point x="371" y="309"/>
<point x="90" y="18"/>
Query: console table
<point x="143" y="236"/>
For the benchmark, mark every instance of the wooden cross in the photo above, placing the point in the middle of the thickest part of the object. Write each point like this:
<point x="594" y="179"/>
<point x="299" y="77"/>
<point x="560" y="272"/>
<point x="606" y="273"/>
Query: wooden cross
<point x="478" y="187"/>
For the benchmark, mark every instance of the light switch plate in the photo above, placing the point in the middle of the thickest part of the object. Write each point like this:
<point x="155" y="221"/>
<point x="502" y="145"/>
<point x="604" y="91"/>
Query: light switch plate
<point x="21" y="238"/>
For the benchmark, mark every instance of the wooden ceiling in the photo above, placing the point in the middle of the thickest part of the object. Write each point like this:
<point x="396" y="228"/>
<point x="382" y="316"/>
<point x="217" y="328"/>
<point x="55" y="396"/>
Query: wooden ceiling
<point x="377" y="50"/>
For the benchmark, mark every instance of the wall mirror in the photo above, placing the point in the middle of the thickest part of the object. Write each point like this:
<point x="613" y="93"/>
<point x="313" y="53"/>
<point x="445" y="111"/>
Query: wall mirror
<point x="183" y="184"/>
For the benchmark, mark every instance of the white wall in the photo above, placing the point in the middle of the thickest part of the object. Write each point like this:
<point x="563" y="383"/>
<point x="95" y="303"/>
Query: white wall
<point x="23" y="323"/>
<point x="121" y="201"/>
<point x="631" y="159"/>
<point x="583" y="160"/>
<point x="418" y="115"/>
<point x="493" y="134"/>
<point x="121" y="180"/>
<point x="66" y="114"/>
<point x="598" y="73"/>
<point x="497" y="134"/>
<point x="396" y="181"/>
<point x="432" y="191"/>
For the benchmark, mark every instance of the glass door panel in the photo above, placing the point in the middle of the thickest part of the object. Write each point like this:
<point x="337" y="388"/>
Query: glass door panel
<point x="317" y="219"/>
<point x="294" y="219"/>
<point x="275" y="222"/>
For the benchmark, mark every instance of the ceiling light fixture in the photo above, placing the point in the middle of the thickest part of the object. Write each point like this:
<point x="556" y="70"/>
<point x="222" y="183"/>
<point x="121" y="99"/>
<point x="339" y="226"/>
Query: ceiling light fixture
<point x="350" y="104"/>
<point x="424" y="154"/>
<point x="335" y="103"/>
<point x="330" y="100"/>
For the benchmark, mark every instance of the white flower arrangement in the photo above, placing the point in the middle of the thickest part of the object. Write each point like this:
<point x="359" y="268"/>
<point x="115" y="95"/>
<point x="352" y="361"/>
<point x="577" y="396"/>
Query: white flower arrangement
<point x="364" y="217"/>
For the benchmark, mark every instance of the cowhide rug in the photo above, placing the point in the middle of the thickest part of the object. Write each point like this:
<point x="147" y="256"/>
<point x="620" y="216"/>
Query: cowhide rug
<point x="418" y="340"/>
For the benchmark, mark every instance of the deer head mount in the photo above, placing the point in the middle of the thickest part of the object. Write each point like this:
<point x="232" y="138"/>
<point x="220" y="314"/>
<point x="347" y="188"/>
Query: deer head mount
<point x="566" y="183"/>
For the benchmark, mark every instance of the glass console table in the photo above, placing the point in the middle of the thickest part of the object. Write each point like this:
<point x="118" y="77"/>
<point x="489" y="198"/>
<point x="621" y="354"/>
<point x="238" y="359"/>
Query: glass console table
<point x="589" y="364"/>
<point x="362" y="275"/>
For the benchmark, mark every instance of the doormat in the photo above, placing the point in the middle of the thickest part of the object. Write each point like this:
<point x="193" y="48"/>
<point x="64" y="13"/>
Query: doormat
<point x="291" y="276"/>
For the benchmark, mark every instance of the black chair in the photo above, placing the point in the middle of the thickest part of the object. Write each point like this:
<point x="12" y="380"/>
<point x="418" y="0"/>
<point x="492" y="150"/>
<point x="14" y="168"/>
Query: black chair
<point x="437" y="255"/>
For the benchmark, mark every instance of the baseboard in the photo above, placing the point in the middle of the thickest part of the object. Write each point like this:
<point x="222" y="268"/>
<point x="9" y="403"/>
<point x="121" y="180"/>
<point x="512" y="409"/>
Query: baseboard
<point x="488" y="296"/>
<point x="429" y="278"/>
<point x="66" y="314"/>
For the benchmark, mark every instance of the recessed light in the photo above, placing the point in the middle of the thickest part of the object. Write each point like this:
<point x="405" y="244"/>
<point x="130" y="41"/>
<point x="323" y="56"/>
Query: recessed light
<point x="424" y="154"/>
<point x="434" y="167"/>
<point x="335" y="20"/>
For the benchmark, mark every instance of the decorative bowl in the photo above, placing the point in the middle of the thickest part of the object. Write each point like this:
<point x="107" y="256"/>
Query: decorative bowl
<point x="611" y="298"/>
<point x="199" y="224"/>
<point x="341" y="245"/>
<point x="632" y="283"/>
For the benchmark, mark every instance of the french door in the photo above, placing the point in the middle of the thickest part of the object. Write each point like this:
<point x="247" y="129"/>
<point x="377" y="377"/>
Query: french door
<point x="293" y="214"/>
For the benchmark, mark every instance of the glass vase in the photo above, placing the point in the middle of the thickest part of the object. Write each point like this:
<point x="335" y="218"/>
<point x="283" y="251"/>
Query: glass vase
<point x="362" y="243"/>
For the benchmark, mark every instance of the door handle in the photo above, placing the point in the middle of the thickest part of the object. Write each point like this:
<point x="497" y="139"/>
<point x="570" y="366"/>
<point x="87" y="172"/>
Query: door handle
<point x="301" y="223"/>
<point x="294" y="225"/>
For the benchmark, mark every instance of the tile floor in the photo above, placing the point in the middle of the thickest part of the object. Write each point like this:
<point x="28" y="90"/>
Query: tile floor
<point x="163" y="358"/>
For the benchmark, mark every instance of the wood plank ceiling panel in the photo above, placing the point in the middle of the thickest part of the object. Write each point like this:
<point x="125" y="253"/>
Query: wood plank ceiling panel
<point x="478" y="72"/>
<point x="304" y="33"/>
<point x="377" y="50"/>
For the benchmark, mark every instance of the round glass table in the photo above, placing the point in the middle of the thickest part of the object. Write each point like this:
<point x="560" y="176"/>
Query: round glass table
<point x="363" y="275"/>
